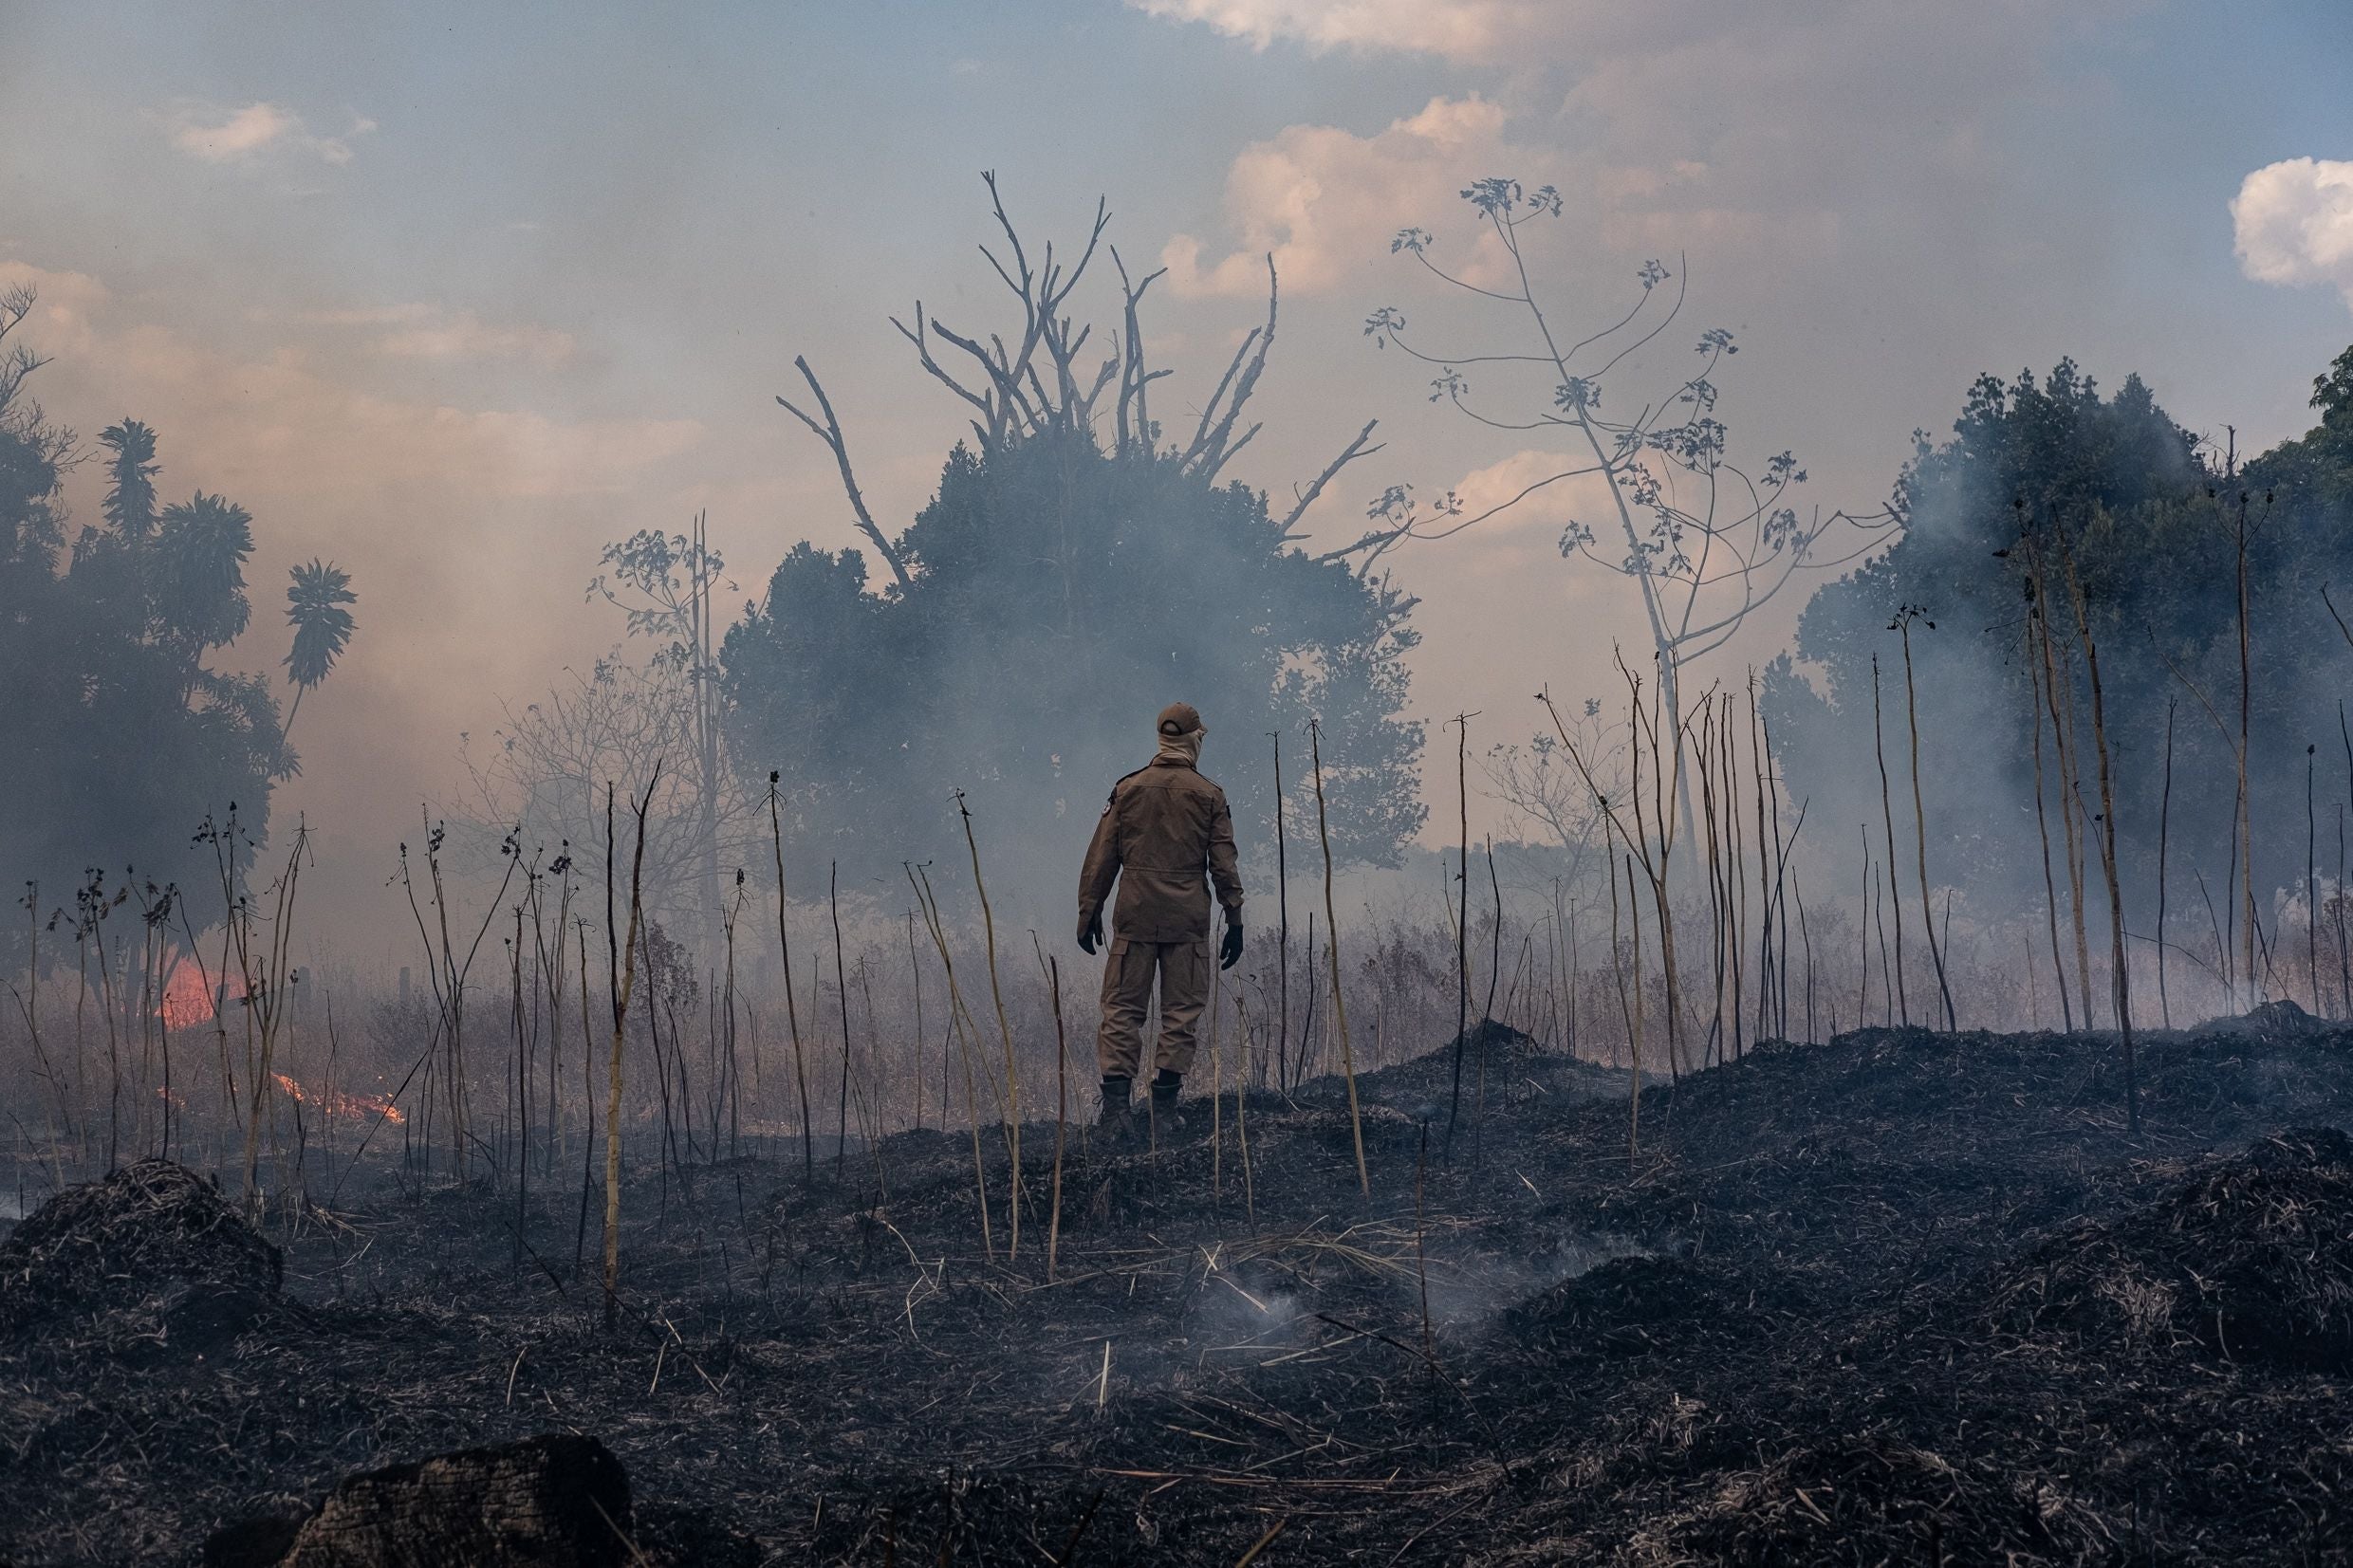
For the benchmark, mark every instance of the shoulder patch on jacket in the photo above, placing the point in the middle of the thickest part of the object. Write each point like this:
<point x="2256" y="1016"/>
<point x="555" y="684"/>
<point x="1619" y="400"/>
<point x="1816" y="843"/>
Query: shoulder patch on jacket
<point x="1113" y="799"/>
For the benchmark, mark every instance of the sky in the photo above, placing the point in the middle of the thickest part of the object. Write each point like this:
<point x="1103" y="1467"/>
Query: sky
<point x="454" y="294"/>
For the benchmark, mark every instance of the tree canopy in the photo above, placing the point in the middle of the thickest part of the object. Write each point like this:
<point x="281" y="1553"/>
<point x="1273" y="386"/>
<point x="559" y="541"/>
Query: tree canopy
<point x="1077" y="569"/>
<point x="2148" y="514"/>
<point x="123" y="734"/>
<point x="1057" y="597"/>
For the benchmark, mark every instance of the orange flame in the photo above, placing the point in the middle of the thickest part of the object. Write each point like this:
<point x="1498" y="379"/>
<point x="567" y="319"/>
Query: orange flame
<point x="186" y="999"/>
<point x="334" y="1102"/>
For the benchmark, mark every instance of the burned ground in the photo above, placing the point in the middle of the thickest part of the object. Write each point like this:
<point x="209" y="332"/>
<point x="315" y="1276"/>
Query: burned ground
<point x="1906" y="1297"/>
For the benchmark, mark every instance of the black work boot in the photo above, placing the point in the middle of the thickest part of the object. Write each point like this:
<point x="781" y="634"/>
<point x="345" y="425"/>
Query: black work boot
<point x="1164" y="1087"/>
<point x="1116" y="1132"/>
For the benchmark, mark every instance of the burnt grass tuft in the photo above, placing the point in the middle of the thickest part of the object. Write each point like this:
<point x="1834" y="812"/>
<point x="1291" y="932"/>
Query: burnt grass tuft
<point x="151" y="1228"/>
<point x="1902" y="1299"/>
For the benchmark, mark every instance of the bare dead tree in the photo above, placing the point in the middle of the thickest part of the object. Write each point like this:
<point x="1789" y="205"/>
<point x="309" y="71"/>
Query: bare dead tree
<point x="830" y="432"/>
<point x="1706" y="542"/>
<point x="544" y="773"/>
<point x="1040" y="375"/>
<point x="1901" y="626"/>
<point x="1541" y="790"/>
<point x="666" y="585"/>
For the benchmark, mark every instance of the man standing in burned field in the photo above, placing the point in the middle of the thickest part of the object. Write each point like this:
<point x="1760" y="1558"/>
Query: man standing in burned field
<point x="1163" y="828"/>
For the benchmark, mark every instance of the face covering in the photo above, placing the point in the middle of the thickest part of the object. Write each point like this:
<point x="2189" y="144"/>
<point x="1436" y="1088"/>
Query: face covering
<point x="1182" y="748"/>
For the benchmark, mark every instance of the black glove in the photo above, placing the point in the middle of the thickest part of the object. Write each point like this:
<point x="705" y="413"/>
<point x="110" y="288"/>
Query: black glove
<point x="1090" y="934"/>
<point x="1230" y="953"/>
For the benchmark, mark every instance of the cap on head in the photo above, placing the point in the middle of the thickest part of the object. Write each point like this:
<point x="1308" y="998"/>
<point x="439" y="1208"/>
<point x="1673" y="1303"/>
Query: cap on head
<point x="1179" y="718"/>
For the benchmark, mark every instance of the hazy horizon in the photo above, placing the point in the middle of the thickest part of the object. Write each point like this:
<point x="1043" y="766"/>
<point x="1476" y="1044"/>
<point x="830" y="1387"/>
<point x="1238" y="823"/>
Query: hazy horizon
<point x="455" y="297"/>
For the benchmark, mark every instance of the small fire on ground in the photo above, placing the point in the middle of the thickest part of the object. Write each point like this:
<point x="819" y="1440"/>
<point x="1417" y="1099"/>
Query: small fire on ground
<point x="336" y="1103"/>
<point x="188" y="1000"/>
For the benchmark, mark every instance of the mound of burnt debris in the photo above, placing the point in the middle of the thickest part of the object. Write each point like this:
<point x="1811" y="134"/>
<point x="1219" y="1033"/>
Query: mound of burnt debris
<point x="2250" y="1258"/>
<point x="554" y="1500"/>
<point x="1496" y="1061"/>
<point x="151" y="1233"/>
<point x="1904" y="1297"/>
<point x="978" y="1519"/>
<point x="1860" y="1503"/>
<point x="1643" y="1305"/>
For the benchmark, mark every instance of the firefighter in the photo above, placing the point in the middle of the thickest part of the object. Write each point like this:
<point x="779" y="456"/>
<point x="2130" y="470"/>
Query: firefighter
<point x="1164" y="826"/>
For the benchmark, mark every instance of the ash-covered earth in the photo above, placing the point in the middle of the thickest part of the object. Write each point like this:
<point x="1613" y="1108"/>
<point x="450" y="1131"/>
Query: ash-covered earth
<point x="1906" y="1297"/>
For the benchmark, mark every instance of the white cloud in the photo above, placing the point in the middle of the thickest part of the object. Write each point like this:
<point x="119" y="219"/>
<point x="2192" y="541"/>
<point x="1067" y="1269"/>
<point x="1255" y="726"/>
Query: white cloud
<point x="1327" y="202"/>
<point x="433" y="332"/>
<point x="1746" y="135"/>
<point x="244" y="131"/>
<point x="64" y="306"/>
<point x="290" y="421"/>
<point x="365" y="315"/>
<point x="465" y="335"/>
<point x="2294" y="223"/>
<point x="212" y="134"/>
<point x="1515" y="509"/>
<point x="1585" y="33"/>
<point x="1323" y="199"/>
<point x="1536" y="492"/>
<point x="1458" y="29"/>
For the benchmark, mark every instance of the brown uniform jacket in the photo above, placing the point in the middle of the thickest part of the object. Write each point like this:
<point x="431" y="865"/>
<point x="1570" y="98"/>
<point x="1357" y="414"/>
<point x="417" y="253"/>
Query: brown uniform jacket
<point x="1164" y="825"/>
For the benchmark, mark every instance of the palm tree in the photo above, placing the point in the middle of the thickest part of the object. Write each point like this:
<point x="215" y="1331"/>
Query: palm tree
<point x="314" y="607"/>
<point x="131" y="498"/>
<point x="201" y="551"/>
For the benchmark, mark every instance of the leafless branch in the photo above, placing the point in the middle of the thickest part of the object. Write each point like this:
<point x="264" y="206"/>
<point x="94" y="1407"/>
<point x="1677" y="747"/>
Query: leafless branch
<point x="1354" y="449"/>
<point x="830" y="432"/>
<point x="1208" y="448"/>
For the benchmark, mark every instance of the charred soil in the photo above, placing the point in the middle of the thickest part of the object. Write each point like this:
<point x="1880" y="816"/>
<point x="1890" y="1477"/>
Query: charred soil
<point x="1904" y="1298"/>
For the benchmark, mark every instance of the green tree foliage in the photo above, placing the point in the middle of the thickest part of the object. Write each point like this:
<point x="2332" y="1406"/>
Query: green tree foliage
<point x="315" y="603"/>
<point x="2311" y="478"/>
<point x="1078" y="568"/>
<point x="2149" y="514"/>
<point x="1059" y="595"/>
<point x="122" y="736"/>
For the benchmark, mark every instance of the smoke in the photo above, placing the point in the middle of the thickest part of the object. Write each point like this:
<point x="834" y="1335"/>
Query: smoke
<point x="458" y="339"/>
<point x="1466" y="1299"/>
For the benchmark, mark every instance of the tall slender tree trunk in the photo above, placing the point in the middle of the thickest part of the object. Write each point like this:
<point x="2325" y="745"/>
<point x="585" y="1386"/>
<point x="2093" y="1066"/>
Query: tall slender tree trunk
<point x="1283" y="917"/>
<point x="792" y="1007"/>
<point x="2042" y="824"/>
<point x="2123" y="976"/>
<point x="2245" y="799"/>
<point x="2164" y="828"/>
<point x="2062" y="707"/>
<point x="1919" y="822"/>
<point x="1331" y="936"/>
<point x="1888" y="817"/>
<point x="622" y="968"/>
<point x="1462" y="919"/>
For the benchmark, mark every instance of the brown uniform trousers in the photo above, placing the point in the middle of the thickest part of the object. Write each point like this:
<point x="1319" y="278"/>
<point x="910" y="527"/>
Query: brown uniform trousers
<point x="1183" y="971"/>
<point x="1166" y="834"/>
